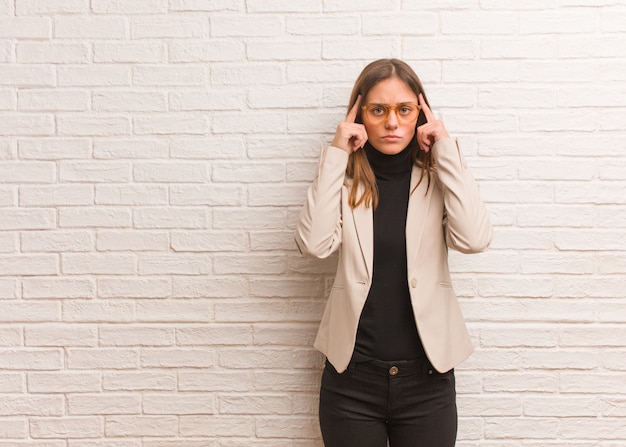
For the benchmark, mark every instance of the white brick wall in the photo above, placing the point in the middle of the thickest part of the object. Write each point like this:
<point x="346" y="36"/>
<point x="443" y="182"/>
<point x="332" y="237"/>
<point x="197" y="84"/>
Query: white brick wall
<point x="154" y="155"/>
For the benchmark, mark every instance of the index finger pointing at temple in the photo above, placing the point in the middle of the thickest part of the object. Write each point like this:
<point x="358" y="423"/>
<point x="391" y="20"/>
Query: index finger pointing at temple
<point x="351" y="116"/>
<point x="427" y="112"/>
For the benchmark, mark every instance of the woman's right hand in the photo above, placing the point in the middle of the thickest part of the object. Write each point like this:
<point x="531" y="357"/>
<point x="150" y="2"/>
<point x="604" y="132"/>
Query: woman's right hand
<point x="350" y="136"/>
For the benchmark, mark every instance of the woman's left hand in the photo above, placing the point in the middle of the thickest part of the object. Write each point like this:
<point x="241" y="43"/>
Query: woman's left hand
<point x="432" y="131"/>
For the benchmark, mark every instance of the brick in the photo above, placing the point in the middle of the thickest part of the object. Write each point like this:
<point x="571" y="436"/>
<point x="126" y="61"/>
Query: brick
<point x="284" y="334"/>
<point x="57" y="195"/>
<point x="8" y="243"/>
<point x="53" y="148"/>
<point x="63" y="382"/>
<point x="180" y="172"/>
<point x="174" y="264"/>
<point x="218" y="287"/>
<point x="178" y="358"/>
<point x="28" y="219"/>
<point x="67" y="427"/>
<point x="41" y="288"/>
<point x="418" y="48"/>
<point x="26" y="124"/>
<point x="54" y="53"/>
<point x="8" y="98"/>
<point x="11" y="336"/>
<point x="424" y="24"/>
<point x="78" y="358"/>
<point x="209" y="241"/>
<point x="99" y="76"/>
<point x="130" y="101"/>
<point x="131" y="195"/>
<point x="136" y="336"/>
<point x="133" y="288"/>
<point x="53" y="100"/>
<point x="171" y="217"/>
<point x="178" y="311"/>
<point x="206" y="51"/>
<point x="136" y="148"/>
<point x="490" y="406"/>
<point x="214" y="99"/>
<point x="271" y="240"/>
<point x="214" y="147"/>
<point x="225" y="74"/>
<point x="88" y="311"/>
<point x="217" y="425"/>
<point x="139" y="426"/>
<point x="362" y="48"/>
<point x="30" y="359"/>
<point x="171" y="125"/>
<point x="250" y="26"/>
<point x="26" y="75"/>
<point x="507" y="428"/>
<point x="92" y="125"/>
<point x="182" y="403"/>
<point x="215" y="335"/>
<point x="131" y="240"/>
<point x="323" y="25"/>
<point x="29" y="265"/>
<point x="98" y="404"/>
<point x="284" y="50"/>
<point x="289" y="427"/>
<point x="14" y="428"/>
<point x="13" y="405"/>
<point x="552" y="22"/>
<point x="122" y="7"/>
<point x="96" y="263"/>
<point x="483" y="23"/>
<point x="90" y="27"/>
<point x="56" y="241"/>
<point x="83" y="217"/>
<point x="571" y="406"/>
<point x="245" y="311"/>
<point x="354" y="5"/>
<point x="201" y="5"/>
<point x="42" y="8"/>
<point x="138" y="381"/>
<point x="170" y="27"/>
<point x="213" y="195"/>
<point x="25" y="28"/>
<point x="147" y="75"/>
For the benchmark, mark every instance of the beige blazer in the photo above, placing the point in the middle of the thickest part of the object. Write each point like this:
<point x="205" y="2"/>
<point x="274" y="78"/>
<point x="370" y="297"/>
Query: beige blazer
<point x="449" y="214"/>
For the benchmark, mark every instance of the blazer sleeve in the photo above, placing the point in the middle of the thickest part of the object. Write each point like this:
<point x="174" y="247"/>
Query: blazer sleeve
<point x="318" y="230"/>
<point x="466" y="220"/>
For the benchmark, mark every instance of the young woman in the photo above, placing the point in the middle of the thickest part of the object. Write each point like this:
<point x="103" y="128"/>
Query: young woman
<point x="392" y="193"/>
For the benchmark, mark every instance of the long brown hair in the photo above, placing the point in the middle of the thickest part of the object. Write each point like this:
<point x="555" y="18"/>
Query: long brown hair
<point x="359" y="168"/>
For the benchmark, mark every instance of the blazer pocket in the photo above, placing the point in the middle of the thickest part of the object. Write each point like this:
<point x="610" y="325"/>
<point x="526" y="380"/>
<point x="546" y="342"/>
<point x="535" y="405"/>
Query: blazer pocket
<point x="445" y="284"/>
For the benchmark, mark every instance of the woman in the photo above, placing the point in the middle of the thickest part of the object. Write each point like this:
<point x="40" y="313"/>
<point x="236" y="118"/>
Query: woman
<point x="392" y="193"/>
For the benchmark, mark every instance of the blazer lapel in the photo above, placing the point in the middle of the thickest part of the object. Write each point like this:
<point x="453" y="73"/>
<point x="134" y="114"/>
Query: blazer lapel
<point x="419" y="203"/>
<point x="364" y="226"/>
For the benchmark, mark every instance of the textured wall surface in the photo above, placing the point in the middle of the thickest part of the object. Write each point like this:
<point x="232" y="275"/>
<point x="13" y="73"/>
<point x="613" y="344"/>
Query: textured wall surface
<point x="154" y="155"/>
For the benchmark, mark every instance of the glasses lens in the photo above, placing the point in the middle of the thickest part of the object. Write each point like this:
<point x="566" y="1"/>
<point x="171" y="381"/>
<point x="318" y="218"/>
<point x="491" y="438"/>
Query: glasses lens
<point x="377" y="113"/>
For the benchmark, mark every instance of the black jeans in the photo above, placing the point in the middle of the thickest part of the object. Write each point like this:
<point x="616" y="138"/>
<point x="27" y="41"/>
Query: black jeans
<point x="405" y="403"/>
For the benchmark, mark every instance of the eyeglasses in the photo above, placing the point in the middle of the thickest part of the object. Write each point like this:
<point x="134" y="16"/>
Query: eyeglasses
<point x="377" y="113"/>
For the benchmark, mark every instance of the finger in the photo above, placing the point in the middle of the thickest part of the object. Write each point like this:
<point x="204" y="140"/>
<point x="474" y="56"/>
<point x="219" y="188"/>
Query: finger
<point x="427" y="112"/>
<point x="351" y="116"/>
<point x="359" y="139"/>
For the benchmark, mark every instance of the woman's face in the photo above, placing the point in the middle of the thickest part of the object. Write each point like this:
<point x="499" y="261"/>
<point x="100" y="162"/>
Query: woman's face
<point x="390" y="136"/>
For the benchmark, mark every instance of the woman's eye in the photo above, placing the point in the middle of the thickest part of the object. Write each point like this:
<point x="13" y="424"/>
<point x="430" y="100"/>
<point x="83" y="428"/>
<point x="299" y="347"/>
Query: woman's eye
<point x="405" y="110"/>
<point x="378" y="110"/>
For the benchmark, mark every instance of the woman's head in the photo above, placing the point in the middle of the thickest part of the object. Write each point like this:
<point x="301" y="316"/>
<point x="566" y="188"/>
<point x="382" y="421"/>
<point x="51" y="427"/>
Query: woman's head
<point x="390" y="82"/>
<point x="382" y="70"/>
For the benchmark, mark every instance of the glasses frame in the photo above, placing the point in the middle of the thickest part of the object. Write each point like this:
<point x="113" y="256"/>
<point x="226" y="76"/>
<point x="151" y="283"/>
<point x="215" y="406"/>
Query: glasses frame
<point x="389" y="108"/>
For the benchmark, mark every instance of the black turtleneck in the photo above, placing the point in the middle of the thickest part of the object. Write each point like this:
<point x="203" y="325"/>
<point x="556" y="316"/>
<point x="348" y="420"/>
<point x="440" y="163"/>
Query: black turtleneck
<point x="387" y="329"/>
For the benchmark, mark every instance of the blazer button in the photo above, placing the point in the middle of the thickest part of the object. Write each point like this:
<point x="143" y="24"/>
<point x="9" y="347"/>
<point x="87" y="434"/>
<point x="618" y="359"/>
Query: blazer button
<point x="413" y="282"/>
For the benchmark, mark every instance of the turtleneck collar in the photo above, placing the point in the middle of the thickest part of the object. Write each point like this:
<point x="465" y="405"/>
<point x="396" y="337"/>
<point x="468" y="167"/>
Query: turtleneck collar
<point x="389" y="167"/>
